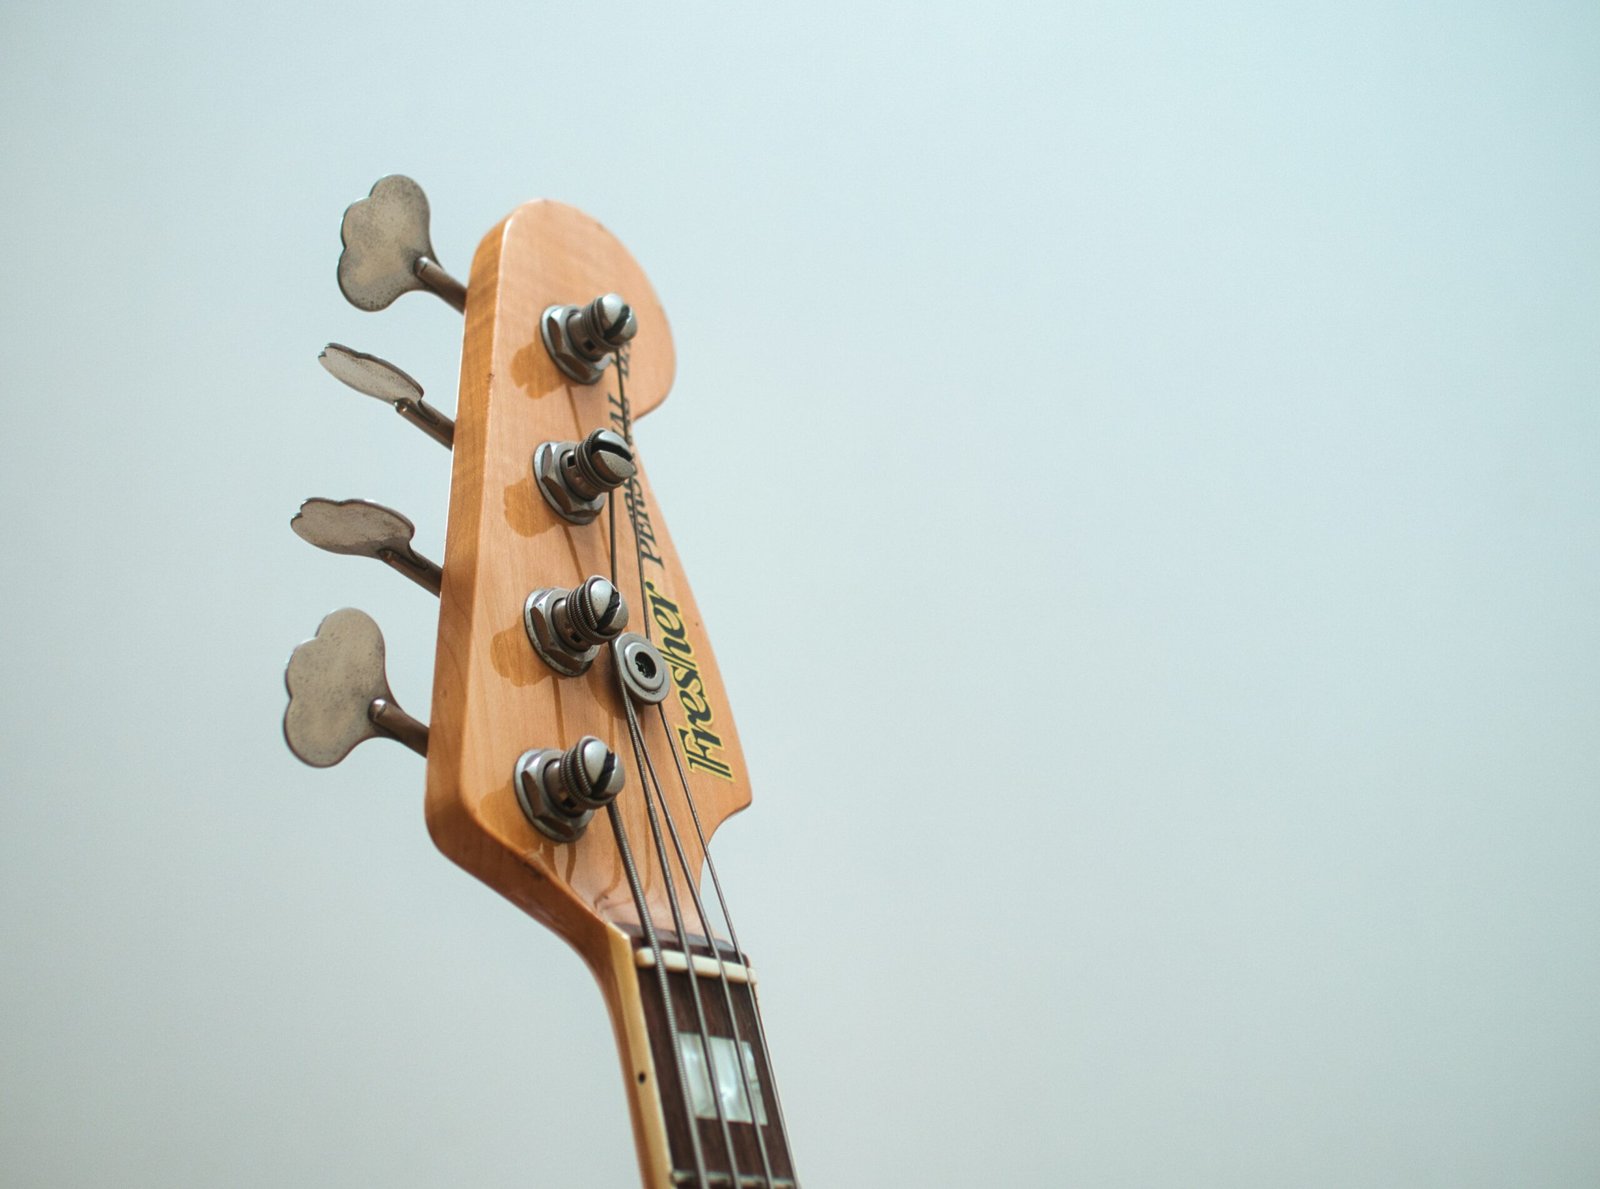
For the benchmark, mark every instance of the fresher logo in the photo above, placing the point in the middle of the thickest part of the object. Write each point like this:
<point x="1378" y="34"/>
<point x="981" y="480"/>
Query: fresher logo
<point x="702" y="746"/>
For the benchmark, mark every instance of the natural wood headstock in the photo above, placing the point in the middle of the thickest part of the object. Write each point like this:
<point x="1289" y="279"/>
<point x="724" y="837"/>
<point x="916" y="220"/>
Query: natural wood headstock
<point x="534" y="520"/>
<point x="493" y="696"/>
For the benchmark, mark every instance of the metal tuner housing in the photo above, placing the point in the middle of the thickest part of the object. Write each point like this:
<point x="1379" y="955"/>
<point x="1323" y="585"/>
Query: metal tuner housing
<point x="581" y="339"/>
<point x="574" y="477"/>
<point x="559" y="791"/>
<point x="568" y="627"/>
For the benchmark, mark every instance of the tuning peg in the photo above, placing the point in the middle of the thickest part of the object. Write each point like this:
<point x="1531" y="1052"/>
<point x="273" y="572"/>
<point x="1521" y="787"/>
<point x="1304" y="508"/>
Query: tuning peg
<point x="568" y="627"/>
<point x="380" y="379"/>
<point x="575" y="476"/>
<point x="364" y="529"/>
<point x="581" y="339"/>
<point x="339" y="695"/>
<point x="387" y="249"/>
<point x="560" y="790"/>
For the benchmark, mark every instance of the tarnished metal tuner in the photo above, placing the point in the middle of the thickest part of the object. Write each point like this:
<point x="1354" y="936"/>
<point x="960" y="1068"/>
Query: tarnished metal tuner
<point x="567" y="628"/>
<point x="382" y="380"/>
<point x="339" y="694"/>
<point x="365" y="529"/>
<point x="581" y="339"/>
<point x="560" y="790"/>
<point x="574" y="477"/>
<point x="388" y="249"/>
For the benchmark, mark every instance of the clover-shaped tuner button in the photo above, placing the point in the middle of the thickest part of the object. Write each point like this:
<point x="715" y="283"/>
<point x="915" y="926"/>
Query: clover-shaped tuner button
<point x="339" y="695"/>
<point x="560" y="790"/>
<point x="387" y="248"/>
<point x="381" y="380"/>
<point x="364" y="529"/>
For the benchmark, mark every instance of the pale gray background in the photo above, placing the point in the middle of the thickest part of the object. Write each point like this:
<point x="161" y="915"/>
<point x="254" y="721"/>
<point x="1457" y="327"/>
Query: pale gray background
<point x="1138" y="464"/>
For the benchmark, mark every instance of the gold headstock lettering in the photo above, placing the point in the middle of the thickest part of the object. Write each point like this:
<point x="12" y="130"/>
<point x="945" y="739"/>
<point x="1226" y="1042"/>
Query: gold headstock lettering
<point x="698" y="740"/>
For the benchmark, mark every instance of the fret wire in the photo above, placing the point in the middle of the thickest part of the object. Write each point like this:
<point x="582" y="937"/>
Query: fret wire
<point x="733" y="935"/>
<point x="654" y="940"/>
<point x="722" y="975"/>
<point x="641" y="756"/>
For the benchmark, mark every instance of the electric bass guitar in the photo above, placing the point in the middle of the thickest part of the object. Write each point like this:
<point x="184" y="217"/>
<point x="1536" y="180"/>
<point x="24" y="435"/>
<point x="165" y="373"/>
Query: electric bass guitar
<point x="581" y="753"/>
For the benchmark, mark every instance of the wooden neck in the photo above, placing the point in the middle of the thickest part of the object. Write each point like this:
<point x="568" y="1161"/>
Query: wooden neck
<point x="682" y="1127"/>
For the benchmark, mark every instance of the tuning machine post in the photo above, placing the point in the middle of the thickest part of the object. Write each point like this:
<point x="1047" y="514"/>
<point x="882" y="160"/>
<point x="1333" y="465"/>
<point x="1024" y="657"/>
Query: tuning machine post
<point x="361" y="528"/>
<point x="388" y="249"/>
<point x="574" y="477"/>
<point x="559" y="791"/>
<point x="568" y="627"/>
<point x="583" y="339"/>
<point x="339" y="693"/>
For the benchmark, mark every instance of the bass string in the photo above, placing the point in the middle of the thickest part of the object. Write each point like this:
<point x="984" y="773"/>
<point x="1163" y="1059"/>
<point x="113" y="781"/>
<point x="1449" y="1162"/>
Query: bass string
<point x="733" y="934"/>
<point x="642" y="907"/>
<point x="749" y="1080"/>
<point x="641" y="751"/>
<point x="654" y="941"/>
<point x="633" y="487"/>
<point x="641" y="745"/>
<point x="641" y="759"/>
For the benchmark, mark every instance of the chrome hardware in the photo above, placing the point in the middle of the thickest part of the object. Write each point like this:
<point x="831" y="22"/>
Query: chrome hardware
<point x="567" y="628"/>
<point x="581" y="339"/>
<point x="339" y="695"/>
<point x="560" y="790"/>
<point x="364" y="529"/>
<point x="575" y="476"/>
<point x="387" y="248"/>
<point x="641" y="668"/>
<point x="380" y="379"/>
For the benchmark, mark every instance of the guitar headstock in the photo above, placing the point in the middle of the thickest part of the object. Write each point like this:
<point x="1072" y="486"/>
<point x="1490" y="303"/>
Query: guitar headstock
<point x="495" y="696"/>
<point x="565" y="347"/>
<point x="581" y="752"/>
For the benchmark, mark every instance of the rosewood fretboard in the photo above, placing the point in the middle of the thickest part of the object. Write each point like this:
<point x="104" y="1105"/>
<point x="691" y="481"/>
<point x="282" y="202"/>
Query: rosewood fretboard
<point x="752" y="1120"/>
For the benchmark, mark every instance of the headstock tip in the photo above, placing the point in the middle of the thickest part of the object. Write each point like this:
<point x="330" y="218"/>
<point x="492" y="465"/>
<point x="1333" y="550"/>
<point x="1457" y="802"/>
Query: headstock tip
<point x="545" y="254"/>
